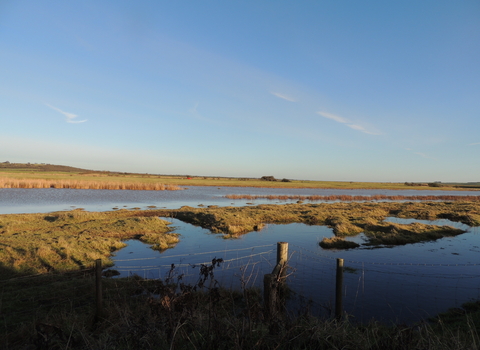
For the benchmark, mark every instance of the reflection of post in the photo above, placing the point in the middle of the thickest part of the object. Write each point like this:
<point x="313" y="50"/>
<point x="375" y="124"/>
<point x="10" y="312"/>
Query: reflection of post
<point x="98" y="288"/>
<point x="339" y="287"/>
<point x="270" y="295"/>
<point x="282" y="257"/>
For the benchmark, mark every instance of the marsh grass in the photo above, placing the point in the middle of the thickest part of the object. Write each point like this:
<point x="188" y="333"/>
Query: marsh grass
<point x="62" y="241"/>
<point x="55" y="309"/>
<point x="400" y="234"/>
<point x="350" y="198"/>
<point x="345" y="218"/>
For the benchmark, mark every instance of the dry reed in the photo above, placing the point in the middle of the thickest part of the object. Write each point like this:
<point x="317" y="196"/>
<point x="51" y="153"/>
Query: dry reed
<point x="349" y="198"/>
<point x="85" y="185"/>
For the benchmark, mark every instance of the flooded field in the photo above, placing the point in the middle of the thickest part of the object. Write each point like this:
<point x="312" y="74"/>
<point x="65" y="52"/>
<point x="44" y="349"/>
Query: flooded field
<point x="402" y="283"/>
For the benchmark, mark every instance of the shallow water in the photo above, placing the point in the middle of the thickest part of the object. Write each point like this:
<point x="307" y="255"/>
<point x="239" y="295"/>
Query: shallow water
<point x="19" y="200"/>
<point x="404" y="283"/>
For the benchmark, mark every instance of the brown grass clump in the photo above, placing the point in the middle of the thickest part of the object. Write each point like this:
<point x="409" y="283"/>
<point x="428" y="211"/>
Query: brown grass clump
<point x="400" y="234"/>
<point x="337" y="243"/>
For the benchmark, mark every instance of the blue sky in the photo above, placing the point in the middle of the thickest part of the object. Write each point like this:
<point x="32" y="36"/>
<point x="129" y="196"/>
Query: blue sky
<point x="318" y="90"/>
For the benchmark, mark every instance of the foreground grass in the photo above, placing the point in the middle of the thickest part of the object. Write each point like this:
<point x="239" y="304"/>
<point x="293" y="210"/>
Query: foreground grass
<point x="57" y="312"/>
<point x="63" y="241"/>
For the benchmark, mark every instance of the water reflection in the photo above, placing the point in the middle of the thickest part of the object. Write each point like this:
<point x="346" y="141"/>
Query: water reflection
<point x="19" y="200"/>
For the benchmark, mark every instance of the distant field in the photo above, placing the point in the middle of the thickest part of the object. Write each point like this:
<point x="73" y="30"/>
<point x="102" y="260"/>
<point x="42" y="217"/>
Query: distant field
<point x="15" y="171"/>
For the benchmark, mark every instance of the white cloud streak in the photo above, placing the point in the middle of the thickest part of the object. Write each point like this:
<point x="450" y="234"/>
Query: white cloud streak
<point x="345" y="121"/>
<point x="474" y="144"/>
<point x="333" y="117"/>
<point x="283" y="97"/>
<point x="70" y="116"/>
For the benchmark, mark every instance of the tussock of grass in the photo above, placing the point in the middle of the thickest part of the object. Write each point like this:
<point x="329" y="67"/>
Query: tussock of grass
<point x="337" y="243"/>
<point x="400" y="234"/>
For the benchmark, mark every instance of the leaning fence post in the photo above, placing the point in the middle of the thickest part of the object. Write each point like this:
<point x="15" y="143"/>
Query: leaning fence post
<point x="98" y="289"/>
<point x="339" y="287"/>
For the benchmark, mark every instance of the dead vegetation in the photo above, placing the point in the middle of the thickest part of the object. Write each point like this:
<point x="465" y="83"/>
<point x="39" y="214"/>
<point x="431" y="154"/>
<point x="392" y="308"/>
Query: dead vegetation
<point x="6" y="182"/>
<point x="350" y="198"/>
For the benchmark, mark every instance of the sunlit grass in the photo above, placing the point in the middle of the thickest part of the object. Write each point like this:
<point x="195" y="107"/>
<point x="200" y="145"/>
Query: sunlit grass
<point x="345" y="218"/>
<point x="61" y="241"/>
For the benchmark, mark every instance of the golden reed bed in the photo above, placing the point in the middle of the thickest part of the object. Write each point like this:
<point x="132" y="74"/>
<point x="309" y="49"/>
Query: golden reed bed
<point x="349" y="198"/>
<point x="86" y="185"/>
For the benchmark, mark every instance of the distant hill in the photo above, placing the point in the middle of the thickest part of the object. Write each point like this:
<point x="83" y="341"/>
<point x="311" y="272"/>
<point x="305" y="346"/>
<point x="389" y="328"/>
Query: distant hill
<point x="40" y="167"/>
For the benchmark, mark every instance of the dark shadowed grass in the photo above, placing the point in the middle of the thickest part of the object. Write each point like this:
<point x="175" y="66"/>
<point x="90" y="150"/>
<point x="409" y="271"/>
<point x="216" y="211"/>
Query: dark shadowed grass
<point x="167" y="314"/>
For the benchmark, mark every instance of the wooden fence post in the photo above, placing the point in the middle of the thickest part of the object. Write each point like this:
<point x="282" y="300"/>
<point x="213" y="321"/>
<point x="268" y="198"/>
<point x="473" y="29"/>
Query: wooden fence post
<point x="339" y="287"/>
<point x="282" y="257"/>
<point x="98" y="289"/>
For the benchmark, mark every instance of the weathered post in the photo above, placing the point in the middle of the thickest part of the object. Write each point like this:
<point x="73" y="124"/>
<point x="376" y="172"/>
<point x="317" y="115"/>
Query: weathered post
<point x="98" y="289"/>
<point x="339" y="287"/>
<point x="272" y="282"/>
<point x="282" y="257"/>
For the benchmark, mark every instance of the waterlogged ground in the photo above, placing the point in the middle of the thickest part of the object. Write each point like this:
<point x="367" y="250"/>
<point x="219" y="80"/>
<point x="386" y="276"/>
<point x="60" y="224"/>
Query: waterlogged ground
<point x="402" y="283"/>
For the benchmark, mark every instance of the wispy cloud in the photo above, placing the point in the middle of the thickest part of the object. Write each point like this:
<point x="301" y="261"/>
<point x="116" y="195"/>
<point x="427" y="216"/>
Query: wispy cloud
<point x="333" y="117"/>
<point x="423" y="155"/>
<point x="70" y="116"/>
<point x="474" y="144"/>
<point x="345" y="121"/>
<point x="283" y="97"/>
